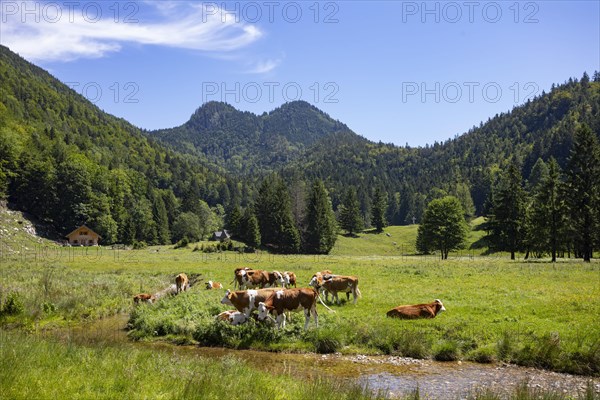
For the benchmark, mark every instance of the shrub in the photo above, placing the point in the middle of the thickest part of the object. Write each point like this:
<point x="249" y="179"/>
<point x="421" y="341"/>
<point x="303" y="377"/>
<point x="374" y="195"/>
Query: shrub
<point x="325" y="340"/>
<point x="13" y="305"/>
<point x="182" y="243"/>
<point x="484" y="355"/>
<point x="139" y="245"/>
<point x="446" y="351"/>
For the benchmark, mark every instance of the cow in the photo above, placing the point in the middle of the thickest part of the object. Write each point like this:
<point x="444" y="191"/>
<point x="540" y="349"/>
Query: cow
<point x="281" y="301"/>
<point x="429" y="310"/>
<point x="317" y="280"/>
<point x="213" y="285"/>
<point x="339" y="283"/>
<point x="237" y="276"/>
<point x="233" y="317"/>
<point x="275" y="279"/>
<point x="255" y="278"/>
<point x="181" y="283"/>
<point x="246" y="300"/>
<point x="144" y="297"/>
<point x="289" y="279"/>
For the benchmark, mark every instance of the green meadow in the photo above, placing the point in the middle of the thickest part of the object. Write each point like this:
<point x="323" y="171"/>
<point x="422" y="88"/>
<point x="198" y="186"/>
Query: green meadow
<point x="530" y="313"/>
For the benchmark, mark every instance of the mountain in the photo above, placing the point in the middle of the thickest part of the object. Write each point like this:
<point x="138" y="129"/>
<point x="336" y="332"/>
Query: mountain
<point x="247" y="144"/>
<point x="67" y="162"/>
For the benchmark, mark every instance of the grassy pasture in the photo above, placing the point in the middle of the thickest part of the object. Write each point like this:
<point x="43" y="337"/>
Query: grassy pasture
<point x="530" y="313"/>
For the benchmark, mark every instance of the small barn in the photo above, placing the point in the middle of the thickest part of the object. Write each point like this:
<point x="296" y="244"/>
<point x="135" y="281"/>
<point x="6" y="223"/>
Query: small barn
<point x="221" y="236"/>
<point x="83" y="236"/>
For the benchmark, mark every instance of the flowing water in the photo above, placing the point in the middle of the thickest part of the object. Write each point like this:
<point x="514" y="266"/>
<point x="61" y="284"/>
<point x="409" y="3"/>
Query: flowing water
<point x="395" y="375"/>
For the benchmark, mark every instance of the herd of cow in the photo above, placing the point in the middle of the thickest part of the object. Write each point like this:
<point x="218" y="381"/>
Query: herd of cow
<point x="272" y="295"/>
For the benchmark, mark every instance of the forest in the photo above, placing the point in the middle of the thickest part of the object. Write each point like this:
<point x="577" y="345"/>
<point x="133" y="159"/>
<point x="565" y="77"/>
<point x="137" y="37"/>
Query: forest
<point x="66" y="162"/>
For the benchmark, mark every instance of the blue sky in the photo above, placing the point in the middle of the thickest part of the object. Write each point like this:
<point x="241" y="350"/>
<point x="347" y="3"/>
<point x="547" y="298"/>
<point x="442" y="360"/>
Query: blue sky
<point x="401" y="72"/>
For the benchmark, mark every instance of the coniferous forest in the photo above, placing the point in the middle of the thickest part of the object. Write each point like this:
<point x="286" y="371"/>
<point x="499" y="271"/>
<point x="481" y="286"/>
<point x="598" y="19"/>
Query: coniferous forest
<point x="290" y="178"/>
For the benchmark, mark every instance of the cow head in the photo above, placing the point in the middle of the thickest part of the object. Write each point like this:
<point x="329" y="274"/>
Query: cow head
<point x="439" y="306"/>
<point x="209" y="285"/>
<point x="227" y="298"/>
<point x="279" y="278"/>
<point x="286" y="278"/>
<point x="263" y="311"/>
<point x="314" y="282"/>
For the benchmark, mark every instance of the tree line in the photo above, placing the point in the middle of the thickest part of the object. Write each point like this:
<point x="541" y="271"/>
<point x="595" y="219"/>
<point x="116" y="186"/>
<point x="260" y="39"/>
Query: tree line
<point x="553" y="212"/>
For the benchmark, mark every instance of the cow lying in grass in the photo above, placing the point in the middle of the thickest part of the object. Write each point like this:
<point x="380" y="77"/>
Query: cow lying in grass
<point x="213" y="285"/>
<point x="144" y="297"/>
<point x="429" y="310"/>
<point x="282" y="301"/>
<point x="233" y="317"/>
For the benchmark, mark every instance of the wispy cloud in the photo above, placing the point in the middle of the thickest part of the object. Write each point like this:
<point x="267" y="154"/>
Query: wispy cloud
<point x="175" y="24"/>
<point x="264" y="66"/>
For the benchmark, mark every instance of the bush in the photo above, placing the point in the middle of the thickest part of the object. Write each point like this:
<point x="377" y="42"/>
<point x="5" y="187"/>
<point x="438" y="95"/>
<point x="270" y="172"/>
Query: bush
<point x="182" y="243"/>
<point x="325" y="340"/>
<point x="139" y="245"/>
<point x="13" y="305"/>
<point x="446" y="351"/>
<point x="483" y="355"/>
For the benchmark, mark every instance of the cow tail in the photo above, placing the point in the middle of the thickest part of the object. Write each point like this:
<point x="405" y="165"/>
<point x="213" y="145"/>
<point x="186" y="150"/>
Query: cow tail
<point x="324" y="305"/>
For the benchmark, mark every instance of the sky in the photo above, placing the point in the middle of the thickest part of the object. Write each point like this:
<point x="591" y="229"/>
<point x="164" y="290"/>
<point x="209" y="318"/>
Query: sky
<point x="403" y="72"/>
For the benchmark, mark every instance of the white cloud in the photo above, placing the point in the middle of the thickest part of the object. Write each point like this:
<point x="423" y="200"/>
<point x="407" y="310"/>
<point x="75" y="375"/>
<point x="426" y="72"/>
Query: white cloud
<point x="264" y="66"/>
<point x="175" y="24"/>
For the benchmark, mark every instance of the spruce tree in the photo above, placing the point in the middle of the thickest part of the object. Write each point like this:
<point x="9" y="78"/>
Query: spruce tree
<point x="274" y="212"/>
<point x="378" y="209"/>
<point x="234" y="221"/>
<point x="249" y="229"/>
<point x="582" y="185"/>
<point x="321" y="228"/>
<point x="350" y="218"/>
<point x="507" y="214"/>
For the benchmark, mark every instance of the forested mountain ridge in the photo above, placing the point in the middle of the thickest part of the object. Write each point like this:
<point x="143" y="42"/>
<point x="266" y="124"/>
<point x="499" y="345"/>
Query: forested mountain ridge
<point x="67" y="162"/>
<point x="249" y="144"/>
<point x="465" y="165"/>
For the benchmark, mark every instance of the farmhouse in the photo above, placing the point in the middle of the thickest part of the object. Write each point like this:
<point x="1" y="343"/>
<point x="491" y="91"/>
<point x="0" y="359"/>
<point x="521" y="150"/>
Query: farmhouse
<point x="221" y="235"/>
<point x="83" y="236"/>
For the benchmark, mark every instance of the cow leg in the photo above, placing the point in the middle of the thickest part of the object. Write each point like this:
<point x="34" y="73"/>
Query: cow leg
<point x="306" y="318"/>
<point x="314" y="312"/>
<point x="337" y="299"/>
<point x="281" y="320"/>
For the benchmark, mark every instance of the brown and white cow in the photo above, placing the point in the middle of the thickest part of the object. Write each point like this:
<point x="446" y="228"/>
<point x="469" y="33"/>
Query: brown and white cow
<point x="246" y="300"/>
<point x="289" y="279"/>
<point x="429" y="310"/>
<point x="144" y="297"/>
<point x="237" y="276"/>
<point x="275" y="279"/>
<point x="282" y="301"/>
<point x="233" y="317"/>
<point x="213" y="285"/>
<point x="182" y="283"/>
<point x="254" y="278"/>
<point x="338" y="283"/>
<point x="317" y="281"/>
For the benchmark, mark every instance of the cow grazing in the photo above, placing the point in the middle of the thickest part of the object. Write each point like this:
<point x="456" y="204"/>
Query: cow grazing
<point x="255" y="278"/>
<point x="281" y="301"/>
<point x="317" y="281"/>
<point x="246" y="300"/>
<point x="144" y="297"/>
<point x="233" y="317"/>
<point x="213" y="285"/>
<point x="181" y="283"/>
<point x="275" y="279"/>
<point x="339" y="283"/>
<point x="237" y="276"/>
<point x="289" y="279"/>
<point x="429" y="310"/>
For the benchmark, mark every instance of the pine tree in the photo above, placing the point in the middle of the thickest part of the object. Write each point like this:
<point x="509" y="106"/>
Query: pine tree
<point x="274" y="213"/>
<point x="233" y="221"/>
<point x="444" y="227"/>
<point x="249" y="229"/>
<point x="553" y="207"/>
<point x="321" y="228"/>
<point x="507" y="214"/>
<point x="582" y="185"/>
<point x="350" y="218"/>
<point x="378" y="210"/>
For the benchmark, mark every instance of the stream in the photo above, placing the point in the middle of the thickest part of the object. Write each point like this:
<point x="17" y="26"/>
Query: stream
<point x="397" y="376"/>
